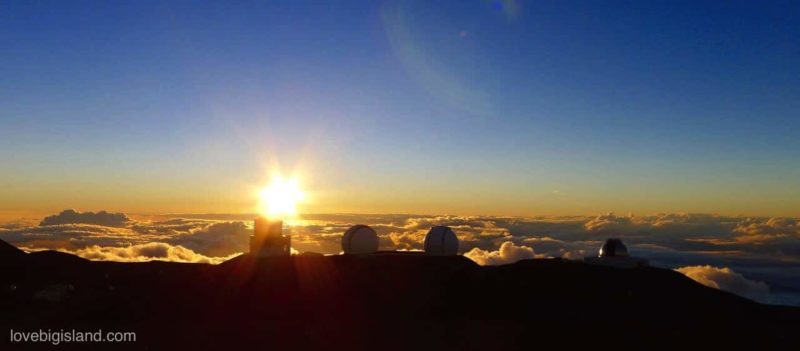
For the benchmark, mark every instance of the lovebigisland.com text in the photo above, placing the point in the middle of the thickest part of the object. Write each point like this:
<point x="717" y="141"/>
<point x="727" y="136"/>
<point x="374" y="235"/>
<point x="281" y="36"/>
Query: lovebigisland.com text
<point x="56" y="337"/>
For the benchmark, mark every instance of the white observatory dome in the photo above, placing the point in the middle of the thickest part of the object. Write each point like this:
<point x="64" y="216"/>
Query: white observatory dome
<point x="360" y="239"/>
<point x="441" y="240"/>
<point x="613" y="248"/>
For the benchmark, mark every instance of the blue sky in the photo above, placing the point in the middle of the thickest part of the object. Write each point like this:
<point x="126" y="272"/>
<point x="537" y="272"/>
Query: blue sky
<point x="466" y="107"/>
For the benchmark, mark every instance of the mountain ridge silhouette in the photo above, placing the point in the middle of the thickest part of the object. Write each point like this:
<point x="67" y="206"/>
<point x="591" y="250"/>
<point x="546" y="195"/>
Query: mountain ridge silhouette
<point x="385" y="300"/>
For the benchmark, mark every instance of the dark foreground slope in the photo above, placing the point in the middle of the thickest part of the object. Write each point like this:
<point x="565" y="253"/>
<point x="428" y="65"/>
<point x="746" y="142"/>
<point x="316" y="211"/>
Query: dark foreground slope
<point x="378" y="302"/>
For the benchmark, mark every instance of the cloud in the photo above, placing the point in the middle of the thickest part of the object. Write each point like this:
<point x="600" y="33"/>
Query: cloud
<point x="724" y="278"/>
<point x="146" y="252"/>
<point x="507" y="253"/>
<point x="612" y="222"/>
<point x="99" y="218"/>
<point x="217" y="239"/>
<point x="571" y="250"/>
<point x="662" y="227"/>
<point x="765" y="249"/>
<point x="210" y="238"/>
<point x="207" y="240"/>
<point x="772" y="226"/>
<point x="566" y="236"/>
<point x="569" y="236"/>
<point x="72" y="236"/>
<point x="409" y="240"/>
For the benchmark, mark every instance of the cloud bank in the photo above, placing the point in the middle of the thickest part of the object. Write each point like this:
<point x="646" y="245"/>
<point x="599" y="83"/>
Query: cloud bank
<point x="147" y="252"/>
<point x="100" y="218"/>
<point x="762" y="248"/>
<point x="724" y="278"/>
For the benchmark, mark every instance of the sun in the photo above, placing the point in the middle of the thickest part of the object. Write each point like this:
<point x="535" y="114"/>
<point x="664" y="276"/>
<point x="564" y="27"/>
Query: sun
<point x="279" y="199"/>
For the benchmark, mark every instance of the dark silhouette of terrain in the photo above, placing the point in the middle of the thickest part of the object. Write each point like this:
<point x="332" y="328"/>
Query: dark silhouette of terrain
<point x="381" y="301"/>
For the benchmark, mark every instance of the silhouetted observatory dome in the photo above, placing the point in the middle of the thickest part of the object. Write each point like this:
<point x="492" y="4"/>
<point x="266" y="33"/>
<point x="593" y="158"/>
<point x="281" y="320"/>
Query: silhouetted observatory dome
<point x="613" y="248"/>
<point x="360" y="239"/>
<point x="441" y="240"/>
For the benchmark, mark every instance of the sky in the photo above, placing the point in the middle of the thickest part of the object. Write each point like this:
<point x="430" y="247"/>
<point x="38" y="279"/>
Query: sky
<point x="463" y="107"/>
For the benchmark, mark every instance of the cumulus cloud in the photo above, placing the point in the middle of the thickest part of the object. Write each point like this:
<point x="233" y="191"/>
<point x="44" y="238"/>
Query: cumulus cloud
<point x="612" y="222"/>
<point x="409" y="240"/>
<point x="724" y="278"/>
<point x="507" y="253"/>
<point x="217" y="239"/>
<point x="571" y="250"/>
<point x="146" y="252"/>
<point x="99" y="218"/>
<point x="772" y="226"/>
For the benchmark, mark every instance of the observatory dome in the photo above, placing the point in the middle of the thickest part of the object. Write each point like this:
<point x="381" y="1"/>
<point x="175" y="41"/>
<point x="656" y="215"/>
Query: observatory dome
<point x="441" y="240"/>
<point x="613" y="248"/>
<point x="360" y="239"/>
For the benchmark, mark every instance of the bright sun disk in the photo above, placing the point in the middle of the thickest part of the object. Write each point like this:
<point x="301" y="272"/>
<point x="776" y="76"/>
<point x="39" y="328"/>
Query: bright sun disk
<point x="279" y="200"/>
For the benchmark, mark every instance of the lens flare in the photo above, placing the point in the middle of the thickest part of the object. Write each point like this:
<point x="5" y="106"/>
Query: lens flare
<point x="429" y="67"/>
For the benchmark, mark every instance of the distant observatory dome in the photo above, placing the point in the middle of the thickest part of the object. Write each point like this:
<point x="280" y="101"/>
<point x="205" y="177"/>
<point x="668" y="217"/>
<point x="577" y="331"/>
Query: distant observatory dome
<point x="613" y="248"/>
<point x="360" y="239"/>
<point x="441" y="240"/>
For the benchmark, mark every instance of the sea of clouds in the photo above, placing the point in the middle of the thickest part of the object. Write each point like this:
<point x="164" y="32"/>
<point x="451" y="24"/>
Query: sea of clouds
<point x="757" y="258"/>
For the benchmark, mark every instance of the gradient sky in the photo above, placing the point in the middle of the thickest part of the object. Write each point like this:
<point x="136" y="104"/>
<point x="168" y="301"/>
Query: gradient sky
<point x="461" y="107"/>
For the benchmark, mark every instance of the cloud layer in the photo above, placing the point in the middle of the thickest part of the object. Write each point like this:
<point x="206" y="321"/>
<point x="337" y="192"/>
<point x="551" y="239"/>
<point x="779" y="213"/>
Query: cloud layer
<point x="724" y="278"/>
<point x="763" y="249"/>
<point x="147" y="252"/>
